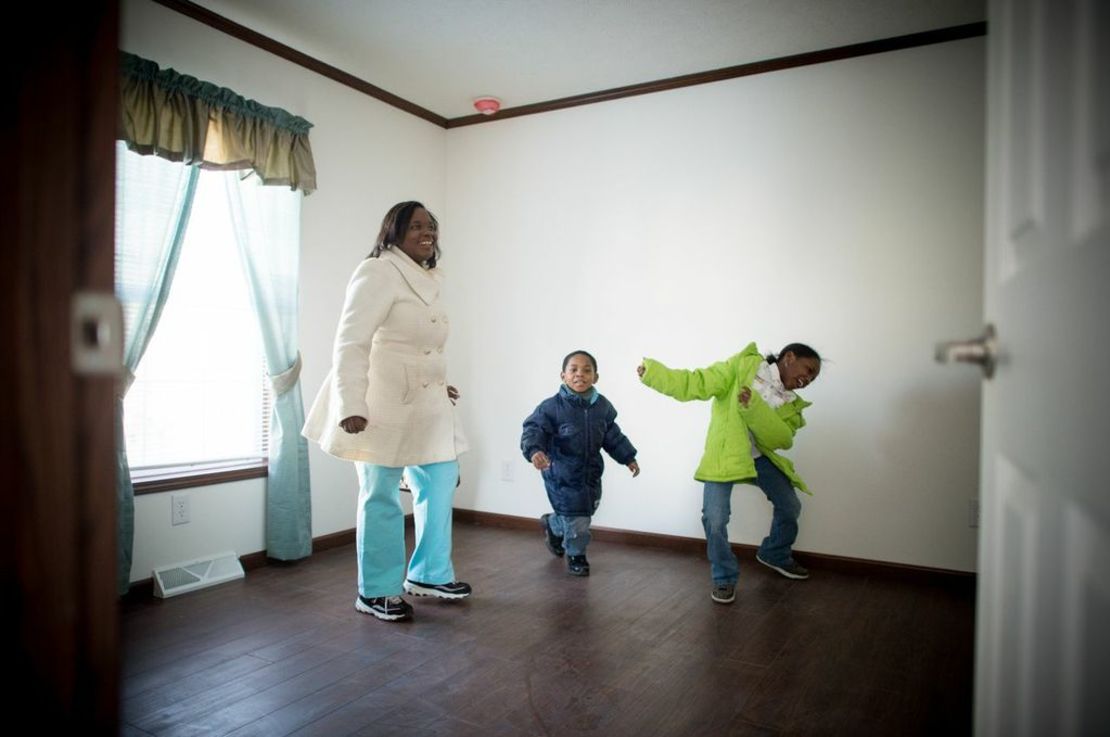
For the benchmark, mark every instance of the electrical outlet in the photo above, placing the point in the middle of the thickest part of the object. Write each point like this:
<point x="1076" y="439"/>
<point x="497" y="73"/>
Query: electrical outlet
<point x="506" y="470"/>
<point x="972" y="512"/>
<point x="179" y="509"/>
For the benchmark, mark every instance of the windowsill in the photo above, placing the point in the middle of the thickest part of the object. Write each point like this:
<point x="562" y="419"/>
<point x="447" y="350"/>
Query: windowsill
<point x="167" y="478"/>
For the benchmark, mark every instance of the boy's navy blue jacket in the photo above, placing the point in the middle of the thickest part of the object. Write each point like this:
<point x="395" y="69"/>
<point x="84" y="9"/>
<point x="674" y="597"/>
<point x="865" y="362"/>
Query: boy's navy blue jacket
<point x="572" y="432"/>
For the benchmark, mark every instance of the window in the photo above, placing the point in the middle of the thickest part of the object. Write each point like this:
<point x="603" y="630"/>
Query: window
<point x="200" y="402"/>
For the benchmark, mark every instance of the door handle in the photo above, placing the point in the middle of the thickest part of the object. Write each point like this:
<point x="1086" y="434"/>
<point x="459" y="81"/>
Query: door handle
<point x="981" y="351"/>
<point x="96" y="334"/>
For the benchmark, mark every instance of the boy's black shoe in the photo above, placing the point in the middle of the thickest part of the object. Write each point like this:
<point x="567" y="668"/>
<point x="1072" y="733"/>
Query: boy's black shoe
<point x="577" y="565"/>
<point x="553" y="542"/>
<point x="453" y="590"/>
<point x="388" y="608"/>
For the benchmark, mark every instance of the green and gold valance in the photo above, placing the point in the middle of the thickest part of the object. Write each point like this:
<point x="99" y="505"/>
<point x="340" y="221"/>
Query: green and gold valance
<point x="181" y="118"/>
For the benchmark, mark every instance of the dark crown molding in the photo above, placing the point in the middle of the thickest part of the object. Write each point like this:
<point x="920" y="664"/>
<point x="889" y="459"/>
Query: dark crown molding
<point x="925" y="38"/>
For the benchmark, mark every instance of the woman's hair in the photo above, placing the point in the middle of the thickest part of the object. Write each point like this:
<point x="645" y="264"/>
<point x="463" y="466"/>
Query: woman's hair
<point x="572" y="354"/>
<point x="801" y="350"/>
<point x="394" y="226"/>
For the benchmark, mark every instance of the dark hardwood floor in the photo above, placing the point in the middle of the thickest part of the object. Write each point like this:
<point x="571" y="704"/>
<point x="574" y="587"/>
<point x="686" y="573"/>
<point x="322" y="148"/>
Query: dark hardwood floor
<point x="637" y="648"/>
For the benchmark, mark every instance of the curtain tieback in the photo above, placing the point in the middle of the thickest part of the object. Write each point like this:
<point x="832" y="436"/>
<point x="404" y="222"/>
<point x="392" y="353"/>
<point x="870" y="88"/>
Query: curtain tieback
<point x="287" y="379"/>
<point x="123" y="386"/>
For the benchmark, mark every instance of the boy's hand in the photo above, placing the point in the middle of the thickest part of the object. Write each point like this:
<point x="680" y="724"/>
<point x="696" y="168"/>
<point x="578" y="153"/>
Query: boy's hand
<point x="452" y="394"/>
<point x="634" y="467"/>
<point x="640" y="370"/>
<point x="353" y="425"/>
<point x="540" y="460"/>
<point x="745" y="396"/>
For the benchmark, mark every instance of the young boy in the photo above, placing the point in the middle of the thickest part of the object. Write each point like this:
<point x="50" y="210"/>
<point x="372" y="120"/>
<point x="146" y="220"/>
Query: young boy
<point x="563" y="438"/>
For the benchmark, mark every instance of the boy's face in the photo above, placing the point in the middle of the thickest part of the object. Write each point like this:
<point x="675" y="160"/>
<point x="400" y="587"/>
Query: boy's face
<point x="579" y="374"/>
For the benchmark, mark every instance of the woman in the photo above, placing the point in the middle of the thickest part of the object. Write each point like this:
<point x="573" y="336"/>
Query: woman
<point x="386" y="405"/>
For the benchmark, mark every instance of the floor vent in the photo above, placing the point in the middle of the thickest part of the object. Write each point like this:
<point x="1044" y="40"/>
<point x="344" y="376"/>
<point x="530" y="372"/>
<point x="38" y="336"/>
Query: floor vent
<point x="181" y="578"/>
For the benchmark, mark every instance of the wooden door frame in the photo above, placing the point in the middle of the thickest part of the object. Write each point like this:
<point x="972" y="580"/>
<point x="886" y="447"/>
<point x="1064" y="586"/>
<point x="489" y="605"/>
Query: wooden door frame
<point x="60" y="615"/>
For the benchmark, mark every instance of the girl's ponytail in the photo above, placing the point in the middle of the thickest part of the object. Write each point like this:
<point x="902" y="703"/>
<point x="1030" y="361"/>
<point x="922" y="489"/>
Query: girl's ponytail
<point x="801" y="350"/>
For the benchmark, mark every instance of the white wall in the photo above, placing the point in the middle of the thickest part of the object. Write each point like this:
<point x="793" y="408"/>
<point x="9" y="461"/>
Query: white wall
<point x="838" y="204"/>
<point x="368" y="156"/>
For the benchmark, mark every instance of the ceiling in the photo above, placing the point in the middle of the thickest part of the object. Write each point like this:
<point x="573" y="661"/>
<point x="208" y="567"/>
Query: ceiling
<point x="441" y="54"/>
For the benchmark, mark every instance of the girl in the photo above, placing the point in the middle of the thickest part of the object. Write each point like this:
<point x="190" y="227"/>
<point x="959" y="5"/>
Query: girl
<point x="755" y="413"/>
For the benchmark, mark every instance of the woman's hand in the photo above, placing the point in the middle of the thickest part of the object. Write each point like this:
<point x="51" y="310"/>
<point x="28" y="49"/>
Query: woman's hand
<point x="353" y="424"/>
<point x="452" y="394"/>
<point x="540" y="460"/>
<point x="745" y="396"/>
<point x="634" y="467"/>
<point x="640" y="370"/>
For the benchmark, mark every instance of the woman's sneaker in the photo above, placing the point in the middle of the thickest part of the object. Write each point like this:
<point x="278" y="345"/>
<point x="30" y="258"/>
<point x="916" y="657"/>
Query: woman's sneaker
<point x="389" y="608"/>
<point x="553" y="542"/>
<point x="577" y="565"/>
<point x="453" y="590"/>
<point x="723" y="593"/>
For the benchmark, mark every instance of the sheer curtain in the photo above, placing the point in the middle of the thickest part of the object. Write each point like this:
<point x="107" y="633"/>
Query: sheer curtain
<point x="153" y="199"/>
<point x="267" y="227"/>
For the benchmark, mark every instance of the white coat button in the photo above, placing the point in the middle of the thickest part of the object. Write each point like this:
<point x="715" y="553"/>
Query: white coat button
<point x="425" y="385"/>
<point x="433" y="318"/>
<point x="439" y="350"/>
<point x="441" y="382"/>
<point x="427" y="351"/>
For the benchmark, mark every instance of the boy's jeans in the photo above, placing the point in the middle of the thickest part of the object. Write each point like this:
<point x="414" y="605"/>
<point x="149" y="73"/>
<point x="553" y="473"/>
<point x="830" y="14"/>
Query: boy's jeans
<point x="380" y="526"/>
<point x="717" y="508"/>
<point x="575" y="532"/>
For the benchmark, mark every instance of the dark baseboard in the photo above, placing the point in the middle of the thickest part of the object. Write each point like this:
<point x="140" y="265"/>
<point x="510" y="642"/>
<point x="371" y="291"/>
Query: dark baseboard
<point x="334" y="540"/>
<point x="817" y="561"/>
<point x="139" y="591"/>
<point x="963" y="580"/>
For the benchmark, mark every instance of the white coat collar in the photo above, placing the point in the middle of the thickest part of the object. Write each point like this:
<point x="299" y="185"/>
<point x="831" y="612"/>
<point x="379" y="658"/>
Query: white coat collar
<point x="425" y="282"/>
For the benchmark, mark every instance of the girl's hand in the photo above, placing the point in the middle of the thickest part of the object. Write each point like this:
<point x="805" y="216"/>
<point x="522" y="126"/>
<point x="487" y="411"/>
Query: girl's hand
<point x="540" y="460"/>
<point x="452" y="394"/>
<point x="634" y="467"/>
<point x="353" y="424"/>
<point x="640" y="370"/>
<point x="745" y="396"/>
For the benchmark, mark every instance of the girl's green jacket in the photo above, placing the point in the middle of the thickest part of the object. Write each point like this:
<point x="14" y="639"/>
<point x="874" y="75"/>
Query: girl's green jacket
<point x="728" y="454"/>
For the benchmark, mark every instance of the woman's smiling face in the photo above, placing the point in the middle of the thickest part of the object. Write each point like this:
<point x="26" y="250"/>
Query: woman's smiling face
<point x="419" y="242"/>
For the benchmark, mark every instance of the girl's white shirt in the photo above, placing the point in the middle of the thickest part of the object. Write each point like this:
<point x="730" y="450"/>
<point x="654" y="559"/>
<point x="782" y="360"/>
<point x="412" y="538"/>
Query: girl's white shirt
<point x="770" y="387"/>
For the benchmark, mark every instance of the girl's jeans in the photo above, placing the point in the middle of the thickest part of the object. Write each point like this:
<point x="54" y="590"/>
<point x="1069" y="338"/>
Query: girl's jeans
<point x="380" y="526"/>
<point x="717" y="508"/>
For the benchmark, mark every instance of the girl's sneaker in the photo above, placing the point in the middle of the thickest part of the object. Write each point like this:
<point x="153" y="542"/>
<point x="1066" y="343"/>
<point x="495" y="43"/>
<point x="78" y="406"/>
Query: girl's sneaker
<point x="388" y="608"/>
<point x="577" y="565"/>
<point x="790" y="570"/>
<point x="723" y="593"/>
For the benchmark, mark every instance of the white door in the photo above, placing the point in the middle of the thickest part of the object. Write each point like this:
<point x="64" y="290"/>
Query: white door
<point x="1043" y="618"/>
